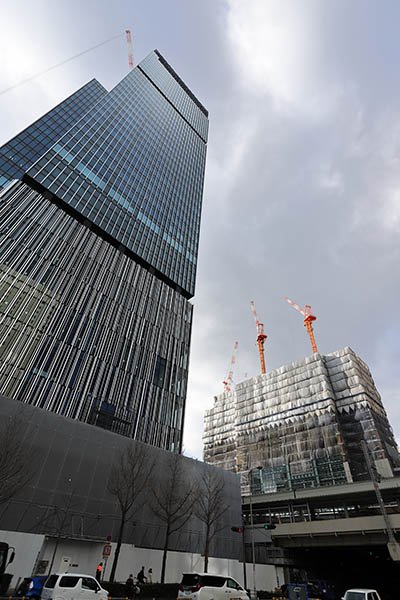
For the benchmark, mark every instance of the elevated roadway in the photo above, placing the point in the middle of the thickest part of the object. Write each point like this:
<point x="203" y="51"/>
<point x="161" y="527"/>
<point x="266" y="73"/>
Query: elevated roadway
<point x="335" y="533"/>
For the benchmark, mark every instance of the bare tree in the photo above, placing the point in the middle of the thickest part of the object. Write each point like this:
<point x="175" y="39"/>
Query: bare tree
<point x="61" y="522"/>
<point x="210" y="507"/>
<point x="172" y="502"/>
<point x="15" y="457"/>
<point x="129" y="478"/>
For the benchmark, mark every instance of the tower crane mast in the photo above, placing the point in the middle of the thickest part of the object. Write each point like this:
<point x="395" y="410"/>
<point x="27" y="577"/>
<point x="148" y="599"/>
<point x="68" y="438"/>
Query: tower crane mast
<point x="261" y="337"/>
<point x="130" y="53"/>
<point x="228" y="383"/>
<point x="308" y="319"/>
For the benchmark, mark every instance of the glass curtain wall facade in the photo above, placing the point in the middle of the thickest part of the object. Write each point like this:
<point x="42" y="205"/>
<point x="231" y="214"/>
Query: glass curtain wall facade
<point x="27" y="147"/>
<point x="98" y="261"/>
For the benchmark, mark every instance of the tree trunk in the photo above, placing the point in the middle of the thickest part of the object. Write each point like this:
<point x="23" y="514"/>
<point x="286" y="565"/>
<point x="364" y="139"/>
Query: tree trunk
<point x="164" y="558"/>
<point x="54" y="554"/>
<point x="117" y="549"/>
<point x="206" y="549"/>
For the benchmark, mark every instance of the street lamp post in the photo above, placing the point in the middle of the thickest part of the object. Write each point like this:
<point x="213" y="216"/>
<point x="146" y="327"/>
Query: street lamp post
<point x="253" y="549"/>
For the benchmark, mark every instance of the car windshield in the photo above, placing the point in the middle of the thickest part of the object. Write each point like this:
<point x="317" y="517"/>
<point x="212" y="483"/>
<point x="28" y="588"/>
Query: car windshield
<point x="355" y="596"/>
<point x="90" y="584"/>
<point x="51" y="581"/>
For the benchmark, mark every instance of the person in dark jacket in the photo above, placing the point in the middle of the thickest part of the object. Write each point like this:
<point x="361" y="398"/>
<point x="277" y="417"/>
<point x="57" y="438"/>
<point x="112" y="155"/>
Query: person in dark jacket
<point x="141" y="577"/>
<point x="130" y="587"/>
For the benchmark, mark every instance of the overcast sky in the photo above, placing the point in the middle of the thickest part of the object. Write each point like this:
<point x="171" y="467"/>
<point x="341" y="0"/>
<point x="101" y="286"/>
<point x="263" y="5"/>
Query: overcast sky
<point x="302" y="191"/>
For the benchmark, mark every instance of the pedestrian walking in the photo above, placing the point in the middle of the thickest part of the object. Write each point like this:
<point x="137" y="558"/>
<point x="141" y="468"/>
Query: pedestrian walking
<point x="150" y="576"/>
<point x="99" y="571"/>
<point x="130" y="587"/>
<point x="141" y="577"/>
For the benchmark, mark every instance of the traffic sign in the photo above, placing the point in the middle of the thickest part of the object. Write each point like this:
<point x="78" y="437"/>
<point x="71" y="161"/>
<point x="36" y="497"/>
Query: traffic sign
<point x="106" y="550"/>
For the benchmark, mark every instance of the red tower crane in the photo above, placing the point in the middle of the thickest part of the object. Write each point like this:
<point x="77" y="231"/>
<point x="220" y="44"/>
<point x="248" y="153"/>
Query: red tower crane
<point x="130" y="53"/>
<point x="261" y="337"/>
<point x="229" y="380"/>
<point x="308" y="319"/>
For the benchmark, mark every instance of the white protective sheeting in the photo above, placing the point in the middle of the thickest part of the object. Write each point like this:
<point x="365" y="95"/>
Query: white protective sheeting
<point x="291" y="417"/>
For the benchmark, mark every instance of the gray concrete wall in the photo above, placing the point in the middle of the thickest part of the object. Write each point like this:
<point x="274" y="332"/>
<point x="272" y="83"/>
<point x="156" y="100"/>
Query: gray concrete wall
<point x="71" y="463"/>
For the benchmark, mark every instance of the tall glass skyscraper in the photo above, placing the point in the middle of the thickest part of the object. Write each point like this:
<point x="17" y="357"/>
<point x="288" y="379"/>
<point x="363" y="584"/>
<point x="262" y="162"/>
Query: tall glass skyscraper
<point x="99" y="240"/>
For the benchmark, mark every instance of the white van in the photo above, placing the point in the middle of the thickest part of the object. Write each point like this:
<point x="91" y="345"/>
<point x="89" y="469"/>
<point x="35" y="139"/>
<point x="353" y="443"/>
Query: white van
<point x="206" y="586"/>
<point x="361" y="594"/>
<point x="72" y="586"/>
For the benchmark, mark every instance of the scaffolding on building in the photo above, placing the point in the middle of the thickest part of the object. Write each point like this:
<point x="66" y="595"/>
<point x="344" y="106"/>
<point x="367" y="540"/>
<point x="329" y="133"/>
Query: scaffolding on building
<point x="301" y="426"/>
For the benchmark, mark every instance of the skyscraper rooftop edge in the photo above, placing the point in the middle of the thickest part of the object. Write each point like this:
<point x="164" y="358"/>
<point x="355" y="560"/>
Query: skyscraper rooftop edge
<point x="200" y="134"/>
<point x="195" y="115"/>
<point x="181" y="83"/>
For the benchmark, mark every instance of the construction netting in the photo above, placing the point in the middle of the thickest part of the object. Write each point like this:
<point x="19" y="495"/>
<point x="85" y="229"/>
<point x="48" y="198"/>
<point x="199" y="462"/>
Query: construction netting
<point x="301" y="425"/>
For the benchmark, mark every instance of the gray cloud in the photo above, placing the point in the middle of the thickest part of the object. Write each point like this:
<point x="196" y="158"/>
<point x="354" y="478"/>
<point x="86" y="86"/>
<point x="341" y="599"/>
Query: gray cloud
<point x="302" y="186"/>
<point x="302" y="195"/>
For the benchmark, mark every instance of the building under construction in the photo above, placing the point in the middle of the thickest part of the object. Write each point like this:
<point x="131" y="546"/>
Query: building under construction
<point x="301" y="426"/>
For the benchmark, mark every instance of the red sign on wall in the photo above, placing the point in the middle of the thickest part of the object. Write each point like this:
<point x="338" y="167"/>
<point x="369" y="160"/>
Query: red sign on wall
<point x="106" y="550"/>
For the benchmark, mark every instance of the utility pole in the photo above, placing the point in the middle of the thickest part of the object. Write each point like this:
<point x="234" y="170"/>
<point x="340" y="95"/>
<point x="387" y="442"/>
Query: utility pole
<point x="393" y="546"/>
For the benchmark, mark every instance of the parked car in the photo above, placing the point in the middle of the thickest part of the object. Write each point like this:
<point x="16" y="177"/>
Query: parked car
<point x="205" y="586"/>
<point x="72" y="586"/>
<point x="361" y="594"/>
<point x="31" y="587"/>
